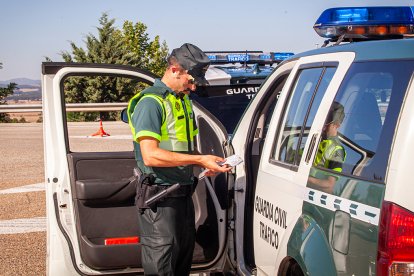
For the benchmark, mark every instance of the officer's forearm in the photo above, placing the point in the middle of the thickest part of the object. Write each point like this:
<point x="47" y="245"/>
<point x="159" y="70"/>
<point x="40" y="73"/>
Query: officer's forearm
<point x="153" y="156"/>
<point x="157" y="157"/>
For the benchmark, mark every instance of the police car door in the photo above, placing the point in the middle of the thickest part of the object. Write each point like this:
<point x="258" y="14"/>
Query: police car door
<point x="288" y="150"/>
<point x="91" y="218"/>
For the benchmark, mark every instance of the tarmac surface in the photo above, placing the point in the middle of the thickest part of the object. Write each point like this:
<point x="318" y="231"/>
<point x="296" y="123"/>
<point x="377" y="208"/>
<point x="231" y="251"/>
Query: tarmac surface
<point x="22" y="196"/>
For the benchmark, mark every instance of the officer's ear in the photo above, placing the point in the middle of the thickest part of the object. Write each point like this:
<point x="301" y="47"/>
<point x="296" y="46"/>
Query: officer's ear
<point x="175" y="69"/>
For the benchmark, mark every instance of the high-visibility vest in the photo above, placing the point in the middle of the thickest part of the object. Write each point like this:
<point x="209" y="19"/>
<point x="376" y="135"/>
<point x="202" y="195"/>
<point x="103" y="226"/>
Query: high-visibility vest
<point x="177" y="129"/>
<point x="327" y="152"/>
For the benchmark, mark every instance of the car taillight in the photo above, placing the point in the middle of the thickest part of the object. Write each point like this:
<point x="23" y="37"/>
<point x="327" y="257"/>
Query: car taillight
<point x="396" y="241"/>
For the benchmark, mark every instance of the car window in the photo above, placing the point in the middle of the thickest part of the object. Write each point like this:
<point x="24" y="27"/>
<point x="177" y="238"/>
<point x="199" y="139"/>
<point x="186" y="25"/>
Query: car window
<point x="371" y="96"/>
<point x="98" y="130"/>
<point x="308" y="91"/>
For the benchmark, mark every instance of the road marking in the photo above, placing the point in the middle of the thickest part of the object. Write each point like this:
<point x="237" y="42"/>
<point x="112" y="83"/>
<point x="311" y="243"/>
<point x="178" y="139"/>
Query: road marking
<point x="18" y="226"/>
<point x="25" y="189"/>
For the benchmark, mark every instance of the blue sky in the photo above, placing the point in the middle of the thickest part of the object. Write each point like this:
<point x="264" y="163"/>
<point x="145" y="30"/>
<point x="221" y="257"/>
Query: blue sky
<point x="31" y="30"/>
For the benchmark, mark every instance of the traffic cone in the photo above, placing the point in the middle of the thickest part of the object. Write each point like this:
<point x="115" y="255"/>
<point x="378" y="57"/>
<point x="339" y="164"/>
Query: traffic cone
<point x="101" y="132"/>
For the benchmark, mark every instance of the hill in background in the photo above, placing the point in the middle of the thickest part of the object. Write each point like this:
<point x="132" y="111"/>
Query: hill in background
<point x="27" y="90"/>
<point x="21" y="81"/>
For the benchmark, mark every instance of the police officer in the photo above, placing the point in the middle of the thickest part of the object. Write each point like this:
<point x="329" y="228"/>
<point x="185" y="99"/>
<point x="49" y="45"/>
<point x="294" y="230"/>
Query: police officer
<point x="331" y="154"/>
<point x="164" y="129"/>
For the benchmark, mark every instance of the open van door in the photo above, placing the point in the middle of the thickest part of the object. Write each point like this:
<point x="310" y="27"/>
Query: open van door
<point x="91" y="218"/>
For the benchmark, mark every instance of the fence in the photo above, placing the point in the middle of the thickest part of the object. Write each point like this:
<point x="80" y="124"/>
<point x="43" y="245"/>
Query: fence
<point x="25" y="108"/>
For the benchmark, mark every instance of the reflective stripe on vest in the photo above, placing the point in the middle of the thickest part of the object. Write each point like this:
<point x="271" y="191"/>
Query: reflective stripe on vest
<point x="177" y="130"/>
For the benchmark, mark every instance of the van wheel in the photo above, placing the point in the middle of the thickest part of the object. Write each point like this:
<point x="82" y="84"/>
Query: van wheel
<point x="294" y="270"/>
<point x="290" y="267"/>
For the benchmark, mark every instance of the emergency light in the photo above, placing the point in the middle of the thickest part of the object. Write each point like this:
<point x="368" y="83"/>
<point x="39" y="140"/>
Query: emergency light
<point x="365" y="22"/>
<point x="259" y="57"/>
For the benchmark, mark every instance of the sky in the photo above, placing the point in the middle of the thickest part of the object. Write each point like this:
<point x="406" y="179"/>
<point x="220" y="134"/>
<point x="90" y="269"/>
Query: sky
<point x="32" y="30"/>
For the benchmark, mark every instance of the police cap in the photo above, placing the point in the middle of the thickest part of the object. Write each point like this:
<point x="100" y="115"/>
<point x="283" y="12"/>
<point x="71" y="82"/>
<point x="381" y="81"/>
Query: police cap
<point x="195" y="61"/>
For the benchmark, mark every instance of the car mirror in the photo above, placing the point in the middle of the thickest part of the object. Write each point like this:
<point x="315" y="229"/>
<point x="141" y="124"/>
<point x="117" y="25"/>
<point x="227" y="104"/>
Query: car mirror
<point x="124" y="115"/>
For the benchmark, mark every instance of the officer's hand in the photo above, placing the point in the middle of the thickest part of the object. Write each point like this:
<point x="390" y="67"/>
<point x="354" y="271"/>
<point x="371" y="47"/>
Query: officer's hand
<point x="211" y="162"/>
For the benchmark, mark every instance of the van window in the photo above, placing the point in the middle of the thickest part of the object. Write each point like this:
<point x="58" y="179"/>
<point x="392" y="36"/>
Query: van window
<point x="98" y="130"/>
<point x="371" y="96"/>
<point x="308" y="92"/>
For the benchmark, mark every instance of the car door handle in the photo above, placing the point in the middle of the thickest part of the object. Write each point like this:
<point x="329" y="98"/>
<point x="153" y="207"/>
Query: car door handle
<point x="311" y="146"/>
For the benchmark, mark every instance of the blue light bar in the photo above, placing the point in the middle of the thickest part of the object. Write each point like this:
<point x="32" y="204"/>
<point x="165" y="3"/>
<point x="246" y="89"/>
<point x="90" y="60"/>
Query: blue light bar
<point x="238" y="57"/>
<point x="212" y="57"/>
<point x="365" y="22"/>
<point x="282" y="56"/>
<point x="247" y="57"/>
<point x="350" y="15"/>
<point x="265" y="56"/>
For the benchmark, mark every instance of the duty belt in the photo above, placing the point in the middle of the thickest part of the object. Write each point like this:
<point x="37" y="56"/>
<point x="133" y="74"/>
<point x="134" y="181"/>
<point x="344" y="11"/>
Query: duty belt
<point x="183" y="190"/>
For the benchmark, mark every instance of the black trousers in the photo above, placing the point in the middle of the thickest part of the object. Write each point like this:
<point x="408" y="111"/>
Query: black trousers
<point x="167" y="234"/>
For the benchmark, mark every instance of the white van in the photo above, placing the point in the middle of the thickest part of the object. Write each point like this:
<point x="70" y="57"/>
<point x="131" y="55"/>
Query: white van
<point x="281" y="212"/>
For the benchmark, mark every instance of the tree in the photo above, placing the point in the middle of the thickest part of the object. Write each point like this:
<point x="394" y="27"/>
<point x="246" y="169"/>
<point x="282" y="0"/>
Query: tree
<point x="4" y="92"/>
<point x="129" y="46"/>
<point x="150" y="55"/>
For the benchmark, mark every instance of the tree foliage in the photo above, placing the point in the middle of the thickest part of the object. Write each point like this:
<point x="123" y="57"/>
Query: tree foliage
<point x="130" y="45"/>
<point x="4" y="92"/>
<point x="150" y="55"/>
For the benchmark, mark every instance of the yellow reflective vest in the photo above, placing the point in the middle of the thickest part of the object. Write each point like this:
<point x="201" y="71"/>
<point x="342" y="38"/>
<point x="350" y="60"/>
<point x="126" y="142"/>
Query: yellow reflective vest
<point x="177" y="130"/>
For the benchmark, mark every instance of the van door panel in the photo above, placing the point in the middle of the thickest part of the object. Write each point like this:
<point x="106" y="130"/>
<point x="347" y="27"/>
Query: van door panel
<point x="280" y="188"/>
<point x="98" y="196"/>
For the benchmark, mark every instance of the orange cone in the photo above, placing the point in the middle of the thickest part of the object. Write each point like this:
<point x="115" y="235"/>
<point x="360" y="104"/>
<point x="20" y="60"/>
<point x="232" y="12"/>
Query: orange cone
<point x="101" y="132"/>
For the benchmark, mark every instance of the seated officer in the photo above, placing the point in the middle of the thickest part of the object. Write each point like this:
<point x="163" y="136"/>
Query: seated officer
<point x="331" y="154"/>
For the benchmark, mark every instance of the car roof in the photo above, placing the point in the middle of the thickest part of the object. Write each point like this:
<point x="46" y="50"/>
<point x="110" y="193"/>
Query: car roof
<point x="369" y="50"/>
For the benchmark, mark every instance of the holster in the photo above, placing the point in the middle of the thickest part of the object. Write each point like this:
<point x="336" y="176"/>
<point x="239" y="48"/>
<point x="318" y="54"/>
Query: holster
<point x="146" y="189"/>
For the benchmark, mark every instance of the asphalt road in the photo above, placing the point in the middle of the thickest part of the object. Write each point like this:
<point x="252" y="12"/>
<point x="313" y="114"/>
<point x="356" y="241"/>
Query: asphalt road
<point x="21" y="164"/>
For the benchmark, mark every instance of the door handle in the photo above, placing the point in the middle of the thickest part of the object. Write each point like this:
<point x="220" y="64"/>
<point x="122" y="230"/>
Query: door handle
<point x="311" y="146"/>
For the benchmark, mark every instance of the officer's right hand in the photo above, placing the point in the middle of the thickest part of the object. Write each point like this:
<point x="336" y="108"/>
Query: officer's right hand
<point x="211" y="162"/>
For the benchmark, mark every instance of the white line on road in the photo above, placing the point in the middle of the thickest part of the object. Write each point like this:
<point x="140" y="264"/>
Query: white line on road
<point x="18" y="226"/>
<point x="25" y="189"/>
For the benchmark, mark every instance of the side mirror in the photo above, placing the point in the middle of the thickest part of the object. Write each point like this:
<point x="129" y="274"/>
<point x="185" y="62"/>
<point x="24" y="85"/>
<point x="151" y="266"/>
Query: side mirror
<point x="124" y="115"/>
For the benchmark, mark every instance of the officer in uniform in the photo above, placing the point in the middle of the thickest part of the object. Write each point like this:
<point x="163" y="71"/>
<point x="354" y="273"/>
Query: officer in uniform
<point x="331" y="154"/>
<point x="162" y="122"/>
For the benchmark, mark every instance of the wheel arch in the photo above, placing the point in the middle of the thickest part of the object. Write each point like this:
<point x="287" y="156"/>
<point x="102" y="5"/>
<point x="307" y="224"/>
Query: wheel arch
<point x="309" y="247"/>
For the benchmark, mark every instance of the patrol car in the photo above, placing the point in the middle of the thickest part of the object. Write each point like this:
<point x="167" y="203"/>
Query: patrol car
<point x="265" y="217"/>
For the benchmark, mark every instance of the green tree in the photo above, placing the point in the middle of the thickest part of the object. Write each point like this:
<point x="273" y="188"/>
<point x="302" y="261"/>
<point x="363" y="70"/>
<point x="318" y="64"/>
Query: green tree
<point x="4" y="92"/>
<point x="129" y="46"/>
<point x="150" y="55"/>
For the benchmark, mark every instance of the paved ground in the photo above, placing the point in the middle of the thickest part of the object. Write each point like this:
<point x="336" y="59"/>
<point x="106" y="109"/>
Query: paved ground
<point x="21" y="164"/>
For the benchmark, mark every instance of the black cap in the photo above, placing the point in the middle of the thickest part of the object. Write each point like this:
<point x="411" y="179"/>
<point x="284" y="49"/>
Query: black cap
<point x="195" y="61"/>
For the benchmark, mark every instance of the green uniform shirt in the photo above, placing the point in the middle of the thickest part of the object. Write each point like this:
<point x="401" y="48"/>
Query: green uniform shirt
<point x="147" y="119"/>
